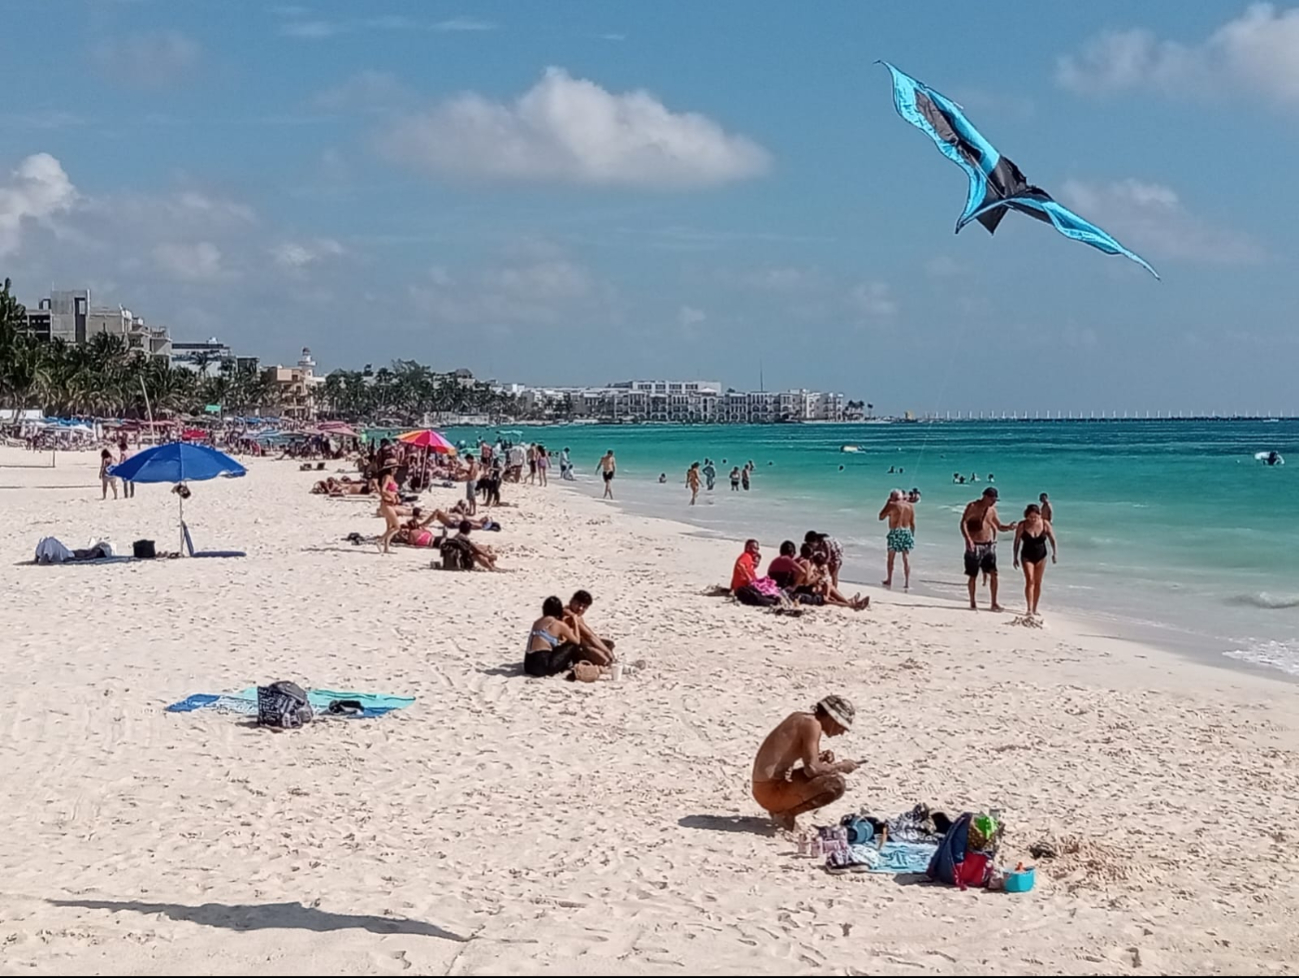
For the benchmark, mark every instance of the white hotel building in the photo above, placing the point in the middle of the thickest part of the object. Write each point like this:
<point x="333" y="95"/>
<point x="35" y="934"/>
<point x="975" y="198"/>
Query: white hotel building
<point x="680" y="401"/>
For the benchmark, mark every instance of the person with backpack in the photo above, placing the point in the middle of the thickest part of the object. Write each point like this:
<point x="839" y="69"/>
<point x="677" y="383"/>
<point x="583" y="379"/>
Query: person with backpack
<point x="791" y="774"/>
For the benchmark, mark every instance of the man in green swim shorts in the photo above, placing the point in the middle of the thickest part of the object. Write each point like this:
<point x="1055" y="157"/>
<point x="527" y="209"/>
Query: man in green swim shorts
<point x="901" y="515"/>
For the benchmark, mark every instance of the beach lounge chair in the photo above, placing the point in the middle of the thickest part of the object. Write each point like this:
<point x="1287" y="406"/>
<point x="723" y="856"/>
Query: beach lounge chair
<point x="189" y="547"/>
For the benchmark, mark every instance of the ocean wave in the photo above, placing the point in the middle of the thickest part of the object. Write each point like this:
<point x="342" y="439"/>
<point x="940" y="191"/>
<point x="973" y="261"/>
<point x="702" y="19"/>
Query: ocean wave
<point x="1275" y="655"/>
<point x="1265" y="599"/>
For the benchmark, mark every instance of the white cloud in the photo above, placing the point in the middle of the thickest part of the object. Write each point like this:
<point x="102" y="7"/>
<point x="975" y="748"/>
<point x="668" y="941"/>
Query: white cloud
<point x="944" y="266"/>
<point x="689" y="316"/>
<point x="1257" y="53"/>
<point x="213" y="207"/>
<point x="312" y="30"/>
<point x="1151" y="217"/>
<point x="199" y="261"/>
<point x="464" y="24"/>
<point x="149" y="59"/>
<point x="37" y="190"/>
<point x="570" y="130"/>
<point x="318" y="30"/>
<point x="872" y="300"/>
<point x="774" y="278"/>
<point x="537" y="286"/>
<point x="368" y="90"/>
<point x="300" y="254"/>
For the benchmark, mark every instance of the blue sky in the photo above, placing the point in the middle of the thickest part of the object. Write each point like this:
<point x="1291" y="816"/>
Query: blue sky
<point x="579" y="192"/>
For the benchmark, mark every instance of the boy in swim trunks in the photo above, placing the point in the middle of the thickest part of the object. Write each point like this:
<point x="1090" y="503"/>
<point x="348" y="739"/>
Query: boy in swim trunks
<point x="901" y="514"/>
<point x="608" y="468"/>
<point x="791" y="774"/>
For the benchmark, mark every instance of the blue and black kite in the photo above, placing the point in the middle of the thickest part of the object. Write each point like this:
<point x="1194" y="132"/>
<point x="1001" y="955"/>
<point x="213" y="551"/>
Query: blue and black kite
<point x="996" y="185"/>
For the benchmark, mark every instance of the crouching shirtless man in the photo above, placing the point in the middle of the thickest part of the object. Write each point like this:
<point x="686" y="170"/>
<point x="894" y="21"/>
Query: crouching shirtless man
<point x="791" y="774"/>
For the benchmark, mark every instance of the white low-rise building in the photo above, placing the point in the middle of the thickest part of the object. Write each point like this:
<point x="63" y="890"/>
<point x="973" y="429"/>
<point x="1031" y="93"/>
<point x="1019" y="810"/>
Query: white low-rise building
<point x="678" y="402"/>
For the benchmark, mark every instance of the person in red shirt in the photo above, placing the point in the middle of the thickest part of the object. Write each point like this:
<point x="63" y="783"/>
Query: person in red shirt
<point x="746" y="566"/>
<point x="785" y="570"/>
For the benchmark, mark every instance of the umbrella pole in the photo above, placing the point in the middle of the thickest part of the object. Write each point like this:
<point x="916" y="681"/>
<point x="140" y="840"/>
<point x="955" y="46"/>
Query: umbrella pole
<point x="182" y="523"/>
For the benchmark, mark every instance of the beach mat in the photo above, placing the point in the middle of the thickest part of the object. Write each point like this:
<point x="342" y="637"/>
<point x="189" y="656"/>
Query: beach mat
<point x="373" y="705"/>
<point x="120" y="559"/>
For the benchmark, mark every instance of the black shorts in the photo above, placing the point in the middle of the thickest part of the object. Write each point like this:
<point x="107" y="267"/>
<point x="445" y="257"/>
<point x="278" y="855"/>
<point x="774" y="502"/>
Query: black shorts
<point x="552" y="662"/>
<point x="608" y="477"/>
<point x="982" y="558"/>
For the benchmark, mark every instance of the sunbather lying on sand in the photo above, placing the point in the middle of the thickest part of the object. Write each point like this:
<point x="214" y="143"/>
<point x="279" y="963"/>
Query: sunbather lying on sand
<point x="413" y="535"/>
<point x="343" y="487"/>
<point x="452" y="520"/>
<point x="787" y="790"/>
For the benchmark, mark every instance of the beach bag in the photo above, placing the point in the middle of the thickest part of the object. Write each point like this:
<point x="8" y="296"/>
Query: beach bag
<point x="283" y="705"/>
<point x="955" y="863"/>
<point x="456" y="556"/>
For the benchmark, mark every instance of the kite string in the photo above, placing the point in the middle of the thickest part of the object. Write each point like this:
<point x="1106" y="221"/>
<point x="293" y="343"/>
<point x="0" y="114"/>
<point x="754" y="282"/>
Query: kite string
<point x="956" y="349"/>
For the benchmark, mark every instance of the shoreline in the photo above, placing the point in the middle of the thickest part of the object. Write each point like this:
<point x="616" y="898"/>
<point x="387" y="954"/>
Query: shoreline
<point x="1184" y="644"/>
<point x="502" y="825"/>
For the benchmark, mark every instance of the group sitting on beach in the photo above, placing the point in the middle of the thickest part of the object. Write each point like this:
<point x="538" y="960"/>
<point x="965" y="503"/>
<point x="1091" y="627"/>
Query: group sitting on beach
<point x="561" y="642"/>
<point x="806" y="575"/>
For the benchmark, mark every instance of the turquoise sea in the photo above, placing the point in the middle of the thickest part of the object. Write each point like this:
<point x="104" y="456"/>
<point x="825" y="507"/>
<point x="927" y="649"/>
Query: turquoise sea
<point x="1170" y="531"/>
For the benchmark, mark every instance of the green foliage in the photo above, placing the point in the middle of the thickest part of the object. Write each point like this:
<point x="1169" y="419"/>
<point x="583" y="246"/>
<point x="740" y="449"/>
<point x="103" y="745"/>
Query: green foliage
<point x="105" y="378"/>
<point x="405" y="392"/>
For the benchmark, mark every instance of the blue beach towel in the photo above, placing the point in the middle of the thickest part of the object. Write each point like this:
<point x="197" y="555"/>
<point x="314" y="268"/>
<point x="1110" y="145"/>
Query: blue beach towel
<point x="899" y="858"/>
<point x="245" y="702"/>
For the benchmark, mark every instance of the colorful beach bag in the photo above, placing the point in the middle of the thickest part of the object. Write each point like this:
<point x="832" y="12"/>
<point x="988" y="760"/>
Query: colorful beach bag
<point x="955" y="863"/>
<point x="283" y="705"/>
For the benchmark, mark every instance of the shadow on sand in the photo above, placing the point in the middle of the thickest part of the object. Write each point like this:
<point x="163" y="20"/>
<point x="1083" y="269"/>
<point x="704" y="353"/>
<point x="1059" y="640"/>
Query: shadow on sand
<point x="265" y="916"/>
<point x="729" y="823"/>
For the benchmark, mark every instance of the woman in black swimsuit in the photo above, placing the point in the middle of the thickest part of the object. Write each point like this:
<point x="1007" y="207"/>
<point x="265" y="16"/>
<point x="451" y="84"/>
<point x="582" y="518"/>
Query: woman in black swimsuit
<point x="1031" y="537"/>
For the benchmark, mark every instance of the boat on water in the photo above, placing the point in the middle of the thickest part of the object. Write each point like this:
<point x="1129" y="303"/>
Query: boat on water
<point x="850" y="448"/>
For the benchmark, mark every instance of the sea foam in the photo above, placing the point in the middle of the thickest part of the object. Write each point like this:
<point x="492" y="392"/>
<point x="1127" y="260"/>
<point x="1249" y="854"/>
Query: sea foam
<point x="1276" y="655"/>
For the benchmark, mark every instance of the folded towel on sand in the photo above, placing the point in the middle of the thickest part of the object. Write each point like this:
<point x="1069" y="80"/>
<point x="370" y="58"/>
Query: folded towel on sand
<point x="245" y="701"/>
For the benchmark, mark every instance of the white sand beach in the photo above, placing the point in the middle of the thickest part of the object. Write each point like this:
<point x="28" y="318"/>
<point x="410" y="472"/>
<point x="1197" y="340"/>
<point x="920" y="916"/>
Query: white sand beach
<point x="510" y="826"/>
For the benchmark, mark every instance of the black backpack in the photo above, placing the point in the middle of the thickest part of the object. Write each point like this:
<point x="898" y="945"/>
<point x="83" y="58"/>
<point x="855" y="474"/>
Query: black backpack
<point x="456" y="555"/>
<point x="283" y="705"/>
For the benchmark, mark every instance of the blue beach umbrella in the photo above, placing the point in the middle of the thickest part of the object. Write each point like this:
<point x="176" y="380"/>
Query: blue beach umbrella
<point x="177" y="462"/>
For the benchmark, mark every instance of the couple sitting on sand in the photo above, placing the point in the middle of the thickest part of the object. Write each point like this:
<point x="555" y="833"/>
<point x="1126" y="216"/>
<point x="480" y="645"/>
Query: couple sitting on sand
<point x="805" y="579"/>
<point x="791" y="774"/>
<point x="562" y="642"/>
